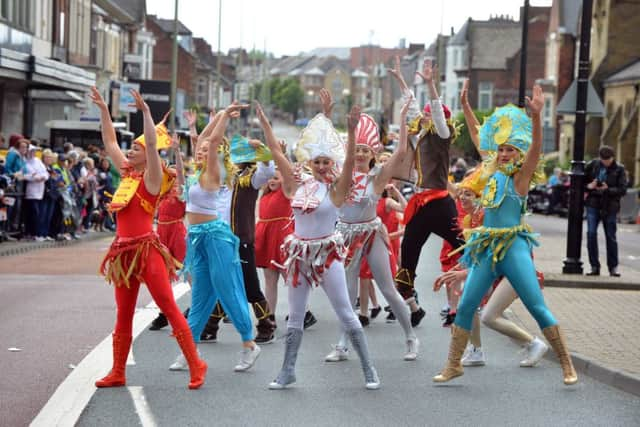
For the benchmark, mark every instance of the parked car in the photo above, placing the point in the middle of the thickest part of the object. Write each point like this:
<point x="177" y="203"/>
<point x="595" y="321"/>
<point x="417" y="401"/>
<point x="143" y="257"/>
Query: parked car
<point x="302" y="122"/>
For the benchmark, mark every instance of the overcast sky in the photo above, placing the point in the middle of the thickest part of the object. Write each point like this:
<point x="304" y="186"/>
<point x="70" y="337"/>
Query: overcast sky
<point x="288" y="27"/>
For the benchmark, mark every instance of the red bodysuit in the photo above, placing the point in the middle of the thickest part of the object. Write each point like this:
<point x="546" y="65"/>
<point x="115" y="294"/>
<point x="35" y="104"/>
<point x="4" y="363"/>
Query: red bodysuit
<point x="136" y="255"/>
<point x="275" y="223"/>
<point x="171" y="228"/>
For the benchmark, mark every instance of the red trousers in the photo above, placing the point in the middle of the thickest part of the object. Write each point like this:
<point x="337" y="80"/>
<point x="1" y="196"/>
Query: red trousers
<point x="156" y="277"/>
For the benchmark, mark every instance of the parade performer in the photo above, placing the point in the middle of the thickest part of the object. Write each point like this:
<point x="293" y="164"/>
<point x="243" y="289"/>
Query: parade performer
<point x="501" y="295"/>
<point x="431" y="209"/>
<point x="275" y="223"/>
<point x="315" y="251"/>
<point x="212" y="249"/>
<point x="250" y="174"/>
<point x="503" y="244"/>
<point x="136" y="255"/>
<point x="364" y="234"/>
<point x="171" y="229"/>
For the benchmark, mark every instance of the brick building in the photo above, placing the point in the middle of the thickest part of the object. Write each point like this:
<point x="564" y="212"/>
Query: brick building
<point x="162" y="30"/>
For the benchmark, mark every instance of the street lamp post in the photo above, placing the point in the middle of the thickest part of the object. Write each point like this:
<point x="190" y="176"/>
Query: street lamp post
<point x="572" y="264"/>
<point x="523" y="54"/>
<point x="174" y="70"/>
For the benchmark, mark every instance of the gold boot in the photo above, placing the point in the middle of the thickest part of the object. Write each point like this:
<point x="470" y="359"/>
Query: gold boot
<point x="459" y="338"/>
<point x="559" y="345"/>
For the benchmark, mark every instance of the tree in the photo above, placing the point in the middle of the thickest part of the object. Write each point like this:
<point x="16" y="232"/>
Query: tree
<point x="464" y="141"/>
<point x="289" y="96"/>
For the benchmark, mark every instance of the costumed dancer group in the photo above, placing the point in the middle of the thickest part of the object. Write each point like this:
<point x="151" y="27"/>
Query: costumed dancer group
<point x="323" y="222"/>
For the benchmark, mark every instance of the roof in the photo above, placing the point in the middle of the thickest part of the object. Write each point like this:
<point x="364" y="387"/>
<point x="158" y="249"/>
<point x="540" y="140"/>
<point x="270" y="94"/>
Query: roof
<point x="135" y="8"/>
<point x="315" y="71"/>
<point x="359" y="73"/>
<point x="166" y="25"/>
<point x="461" y="36"/>
<point x="570" y="11"/>
<point x="288" y="64"/>
<point x="630" y="72"/>
<point x="323" y="52"/>
<point x="493" y="42"/>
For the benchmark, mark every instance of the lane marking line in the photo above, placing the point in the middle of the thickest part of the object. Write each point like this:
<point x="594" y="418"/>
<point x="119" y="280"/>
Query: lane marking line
<point x="66" y="404"/>
<point x="142" y="407"/>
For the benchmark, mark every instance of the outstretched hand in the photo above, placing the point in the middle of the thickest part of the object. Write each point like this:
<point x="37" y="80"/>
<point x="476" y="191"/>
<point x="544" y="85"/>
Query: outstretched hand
<point x="191" y="117"/>
<point x="138" y="101"/>
<point x="353" y="118"/>
<point x="233" y="110"/>
<point x="427" y="71"/>
<point x="327" y="102"/>
<point x="262" y="117"/>
<point x="165" y="117"/>
<point x="537" y="102"/>
<point x="97" y="99"/>
<point x="395" y="72"/>
<point x="449" y="279"/>
<point x="464" y="93"/>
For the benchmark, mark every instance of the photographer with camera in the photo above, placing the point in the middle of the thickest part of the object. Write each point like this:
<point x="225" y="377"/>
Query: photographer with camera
<point x="606" y="183"/>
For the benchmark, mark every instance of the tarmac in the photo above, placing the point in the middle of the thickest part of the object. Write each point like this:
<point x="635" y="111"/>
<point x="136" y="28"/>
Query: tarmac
<point x="600" y="316"/>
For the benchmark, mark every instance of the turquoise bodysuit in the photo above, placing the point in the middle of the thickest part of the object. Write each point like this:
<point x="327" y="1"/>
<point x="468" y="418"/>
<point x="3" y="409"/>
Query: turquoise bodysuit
<point x="501" y="247"/>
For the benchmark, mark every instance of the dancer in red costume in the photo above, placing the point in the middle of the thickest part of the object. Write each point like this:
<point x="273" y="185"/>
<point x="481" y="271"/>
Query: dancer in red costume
<point x="274" y="224"/>
<point x="136" y="255"/>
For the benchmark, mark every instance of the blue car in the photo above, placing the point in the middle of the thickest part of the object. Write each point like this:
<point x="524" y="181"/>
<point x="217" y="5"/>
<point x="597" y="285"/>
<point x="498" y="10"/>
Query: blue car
<point x="302" y="122"/>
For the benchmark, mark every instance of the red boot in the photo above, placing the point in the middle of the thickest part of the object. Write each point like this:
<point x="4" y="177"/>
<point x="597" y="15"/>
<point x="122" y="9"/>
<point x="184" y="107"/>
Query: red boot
<point x="116" y="378"/>
<point x="197" y="366"/>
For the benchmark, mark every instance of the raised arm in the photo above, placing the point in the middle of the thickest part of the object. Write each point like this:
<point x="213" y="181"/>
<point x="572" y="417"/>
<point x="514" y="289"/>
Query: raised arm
<point x="217" y="135"/>
<point x="470" y="118"/>
<point x="289" y="185"/>
<point x="327" y="102"/>
<point x="397" y="74"/>
<point x="523" y="178"/>
<point x="175" y="145"/>
<point x="394" y="164"/>
<point x="342" y="185"/>
<point x="108" y="131"/>
<point x="153" y="172"/>
<point x="191" y="118"/>
<point x="437" y="111"/>
<point x="208" y="130"/>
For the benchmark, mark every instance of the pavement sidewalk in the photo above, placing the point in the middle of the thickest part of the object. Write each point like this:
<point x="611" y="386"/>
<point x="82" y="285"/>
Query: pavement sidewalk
<point x="599" y="316"/>
<point x="23" y="246"/>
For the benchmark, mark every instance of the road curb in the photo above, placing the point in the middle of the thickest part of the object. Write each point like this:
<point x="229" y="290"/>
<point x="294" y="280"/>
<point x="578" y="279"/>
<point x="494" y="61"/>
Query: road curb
<point x="552" y="282"/>
<point x="22" y="248"/>
<point x="613" y="377"/>
<point x="584" y="365"/>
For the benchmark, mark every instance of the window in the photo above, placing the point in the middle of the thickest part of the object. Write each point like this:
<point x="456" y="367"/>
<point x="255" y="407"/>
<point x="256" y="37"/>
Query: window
<point x="485" y="95"/>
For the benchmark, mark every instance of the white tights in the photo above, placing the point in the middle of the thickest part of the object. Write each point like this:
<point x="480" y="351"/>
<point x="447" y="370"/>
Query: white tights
<point x="378" y="259"/>
<point x="335" y="287"/>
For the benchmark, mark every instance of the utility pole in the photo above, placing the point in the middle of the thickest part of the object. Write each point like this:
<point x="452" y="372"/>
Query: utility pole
<point x="523" y="54"/>
<point x="572" y="264"/>
<point x="219" y="58"/>
<point x="174" y="70"/>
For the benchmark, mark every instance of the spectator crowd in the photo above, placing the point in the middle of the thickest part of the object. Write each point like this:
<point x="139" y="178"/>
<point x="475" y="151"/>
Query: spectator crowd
<point x="47" y="195"/>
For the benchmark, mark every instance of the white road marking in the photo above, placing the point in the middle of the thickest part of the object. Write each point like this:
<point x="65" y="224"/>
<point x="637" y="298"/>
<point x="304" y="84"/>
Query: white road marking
<point x="71" y="397"/>
<point x="142" y="407"/>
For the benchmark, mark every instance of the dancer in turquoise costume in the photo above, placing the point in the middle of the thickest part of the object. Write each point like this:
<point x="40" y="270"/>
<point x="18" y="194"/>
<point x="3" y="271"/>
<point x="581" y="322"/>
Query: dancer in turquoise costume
<point x="502" y="245"/>
<point x="212" y="249"/>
